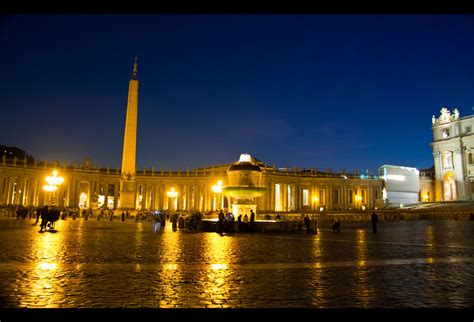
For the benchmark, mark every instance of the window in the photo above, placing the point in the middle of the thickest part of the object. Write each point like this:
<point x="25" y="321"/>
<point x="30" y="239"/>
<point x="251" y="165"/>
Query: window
<point x="111" y="189"/>
<point x="470" y="158"/>
<point x="351" y="195"/>
<point x="468" y="129"/>
<point x="362" y="194"/>
<point x="446" y="132"/>
<point x="376" y="194"/>
<point x="305" y="197"/>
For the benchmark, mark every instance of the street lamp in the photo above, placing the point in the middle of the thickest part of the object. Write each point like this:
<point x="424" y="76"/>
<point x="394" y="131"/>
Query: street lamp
<point x="217" y="188"/>
<point x="54" y="182"/>
<point x="173" y="194"/>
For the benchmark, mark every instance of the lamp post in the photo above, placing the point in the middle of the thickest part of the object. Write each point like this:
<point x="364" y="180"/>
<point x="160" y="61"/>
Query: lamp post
<point x="217" y="188"/>
<point x="173" y="194"/>
<point x="54" y="182"/>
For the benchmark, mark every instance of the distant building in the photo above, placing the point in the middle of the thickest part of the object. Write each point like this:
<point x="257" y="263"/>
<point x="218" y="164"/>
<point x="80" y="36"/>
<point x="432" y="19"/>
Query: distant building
<point x="11" y="152"/>
<point x="453" y="149"/>
<point x="401" y="185"/>
<point x="427" y="179"/>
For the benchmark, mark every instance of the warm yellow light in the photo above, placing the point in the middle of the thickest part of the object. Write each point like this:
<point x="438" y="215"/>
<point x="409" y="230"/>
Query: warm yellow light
<point x="47" y="266"/>
<point x="218" y="266"/>
<point x="315" y="199"/>
<point x="54" y="180"/>
<point x="321" y="209"/>
<point x="217" y="188"/>
<point x="425" y="197"/>
<point x="358" y="198"/>
<point x="50" y="188"/>
<point x="172" y="193"/>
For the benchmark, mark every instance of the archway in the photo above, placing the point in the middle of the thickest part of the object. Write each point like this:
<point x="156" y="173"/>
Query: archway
<point x="449" y="187"/>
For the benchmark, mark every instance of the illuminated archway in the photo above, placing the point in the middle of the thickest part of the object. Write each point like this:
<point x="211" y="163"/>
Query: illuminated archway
<point x="449" y="187"/>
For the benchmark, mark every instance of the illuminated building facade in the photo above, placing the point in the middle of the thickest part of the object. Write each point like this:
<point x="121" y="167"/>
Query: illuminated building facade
<point x="89" y="186"/>
<point x="401" y="185"/>
<point x="202" y="189"/>
<point x="453" y="151"/>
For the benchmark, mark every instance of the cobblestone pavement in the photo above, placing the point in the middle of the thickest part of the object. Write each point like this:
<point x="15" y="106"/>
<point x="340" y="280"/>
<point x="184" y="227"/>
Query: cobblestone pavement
<point x="102" y="264"/>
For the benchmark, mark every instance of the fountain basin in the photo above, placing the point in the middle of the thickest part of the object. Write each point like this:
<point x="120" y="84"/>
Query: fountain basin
<point x="243" y="191"/>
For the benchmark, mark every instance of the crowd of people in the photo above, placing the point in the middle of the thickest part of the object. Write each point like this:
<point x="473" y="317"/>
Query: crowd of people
<point x="226" y="222"/>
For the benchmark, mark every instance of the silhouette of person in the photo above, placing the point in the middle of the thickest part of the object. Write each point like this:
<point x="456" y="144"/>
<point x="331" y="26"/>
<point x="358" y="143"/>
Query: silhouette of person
<point x="336" y="227"/>
<point x="307" y="223"/>
<point x="374" y="219"/>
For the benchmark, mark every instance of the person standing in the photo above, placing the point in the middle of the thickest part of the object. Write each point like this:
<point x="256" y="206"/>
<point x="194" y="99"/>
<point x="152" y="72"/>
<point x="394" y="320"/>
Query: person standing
<point x="307" y="222"/>
<point x="252" y="221"/>
<point x="246" y="223"/>
<point x="220" y="222"/>
<point x="374" y="220"/>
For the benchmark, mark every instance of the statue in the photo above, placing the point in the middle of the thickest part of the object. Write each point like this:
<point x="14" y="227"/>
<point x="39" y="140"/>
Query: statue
<point x="456" y="114"/>
<point x="445" y="115"/>
<point x="433" y="120"/>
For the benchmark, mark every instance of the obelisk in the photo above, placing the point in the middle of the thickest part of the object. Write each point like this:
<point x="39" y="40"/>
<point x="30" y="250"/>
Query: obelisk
<point x="128" y="185"/>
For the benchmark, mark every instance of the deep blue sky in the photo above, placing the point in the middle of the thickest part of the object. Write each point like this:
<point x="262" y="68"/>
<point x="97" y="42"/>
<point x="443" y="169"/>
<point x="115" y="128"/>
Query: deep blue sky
<point x="325" y="91"/>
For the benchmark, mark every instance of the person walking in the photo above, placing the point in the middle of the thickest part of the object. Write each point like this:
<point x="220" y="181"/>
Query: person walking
<point x="44" y="218"/>
<point x="374" y="219"/>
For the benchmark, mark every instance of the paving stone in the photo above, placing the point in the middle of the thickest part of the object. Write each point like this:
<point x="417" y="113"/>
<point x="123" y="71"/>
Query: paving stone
<point x="109" y="265"/>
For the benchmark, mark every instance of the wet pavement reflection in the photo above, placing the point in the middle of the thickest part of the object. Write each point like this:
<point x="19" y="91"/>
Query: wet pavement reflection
<point x="89" y="264"/>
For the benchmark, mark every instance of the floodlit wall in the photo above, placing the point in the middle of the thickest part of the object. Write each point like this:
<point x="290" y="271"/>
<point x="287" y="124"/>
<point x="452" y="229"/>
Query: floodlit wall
<point x="402" y="185"/>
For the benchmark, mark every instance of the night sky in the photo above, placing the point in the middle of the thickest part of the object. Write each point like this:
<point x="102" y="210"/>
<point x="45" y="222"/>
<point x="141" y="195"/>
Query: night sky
<point x="324" y="91"/>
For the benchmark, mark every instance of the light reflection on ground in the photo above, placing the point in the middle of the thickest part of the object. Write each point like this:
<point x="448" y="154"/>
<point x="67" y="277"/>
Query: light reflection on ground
<point x="115" y="264"/>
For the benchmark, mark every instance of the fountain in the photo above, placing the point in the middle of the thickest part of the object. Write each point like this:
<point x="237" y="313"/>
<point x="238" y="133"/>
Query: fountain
<point x="244" y="185"/>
